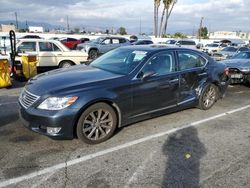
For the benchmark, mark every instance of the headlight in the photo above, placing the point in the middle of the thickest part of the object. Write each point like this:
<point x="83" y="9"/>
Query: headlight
<point x="245" y="70"/>
<point x="57" y="103"/>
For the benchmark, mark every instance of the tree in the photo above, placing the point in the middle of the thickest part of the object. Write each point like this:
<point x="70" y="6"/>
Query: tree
<point x="179" y="35"/>
<point x="122" y="31"/>
<point x="157" y="4"/>
<point x="203" y="32"/>
<point x="167" y="10"/>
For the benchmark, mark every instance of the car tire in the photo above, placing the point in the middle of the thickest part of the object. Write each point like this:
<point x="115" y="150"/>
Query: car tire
<point x="208" y="97"/>
<point x="93" y="54"/>
<point x="65" y="64"/>
<point x="97" y="123"/>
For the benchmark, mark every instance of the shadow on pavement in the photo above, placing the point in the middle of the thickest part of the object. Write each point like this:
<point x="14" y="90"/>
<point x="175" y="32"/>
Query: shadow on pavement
<point x="183" y="151"/>
<point x="8" y="110"/>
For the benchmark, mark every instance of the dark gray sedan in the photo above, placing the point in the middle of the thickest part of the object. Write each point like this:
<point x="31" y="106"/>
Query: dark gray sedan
<point x="239" y="67"/>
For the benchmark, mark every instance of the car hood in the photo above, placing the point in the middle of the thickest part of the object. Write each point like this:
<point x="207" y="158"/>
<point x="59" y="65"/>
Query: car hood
<point x="237" y="63"/>
<point x="66" y="80"/>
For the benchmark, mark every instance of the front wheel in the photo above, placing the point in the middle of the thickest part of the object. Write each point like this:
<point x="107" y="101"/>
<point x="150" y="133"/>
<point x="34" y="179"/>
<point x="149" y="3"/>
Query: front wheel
<point x="208" y="97"/>
<point x="65" y="64"/>
<point x="93" y="54"/>
<point x="97" y="123"/>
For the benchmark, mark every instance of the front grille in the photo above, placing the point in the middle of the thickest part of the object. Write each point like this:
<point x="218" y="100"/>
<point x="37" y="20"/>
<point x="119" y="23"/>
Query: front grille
<point x="26" y="99"/>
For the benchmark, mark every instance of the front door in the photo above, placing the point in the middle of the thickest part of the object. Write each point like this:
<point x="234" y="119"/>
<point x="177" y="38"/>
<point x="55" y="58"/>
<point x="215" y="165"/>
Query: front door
<point x="158" y="91"/>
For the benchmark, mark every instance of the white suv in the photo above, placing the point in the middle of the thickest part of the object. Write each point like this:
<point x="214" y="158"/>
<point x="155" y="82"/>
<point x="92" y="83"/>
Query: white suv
<point x="51" y="53"/>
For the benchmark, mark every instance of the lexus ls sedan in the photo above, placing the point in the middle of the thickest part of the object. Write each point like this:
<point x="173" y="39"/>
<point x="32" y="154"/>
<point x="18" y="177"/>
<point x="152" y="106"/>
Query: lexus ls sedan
<point x="124" y="86"/>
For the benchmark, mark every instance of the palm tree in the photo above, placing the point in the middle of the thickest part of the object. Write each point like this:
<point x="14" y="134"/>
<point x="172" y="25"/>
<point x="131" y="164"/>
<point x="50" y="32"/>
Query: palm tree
<point x="156" y="12"/>
<point x="168" y="7"/>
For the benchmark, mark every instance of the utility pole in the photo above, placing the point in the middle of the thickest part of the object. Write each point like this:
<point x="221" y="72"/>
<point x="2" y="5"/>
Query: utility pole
<point x="200" y="28"/>
<point x="27" y="27"/>
<point x="68" y="23"/>
<point x="16" y="20"/>
<point x="140" y="26"/>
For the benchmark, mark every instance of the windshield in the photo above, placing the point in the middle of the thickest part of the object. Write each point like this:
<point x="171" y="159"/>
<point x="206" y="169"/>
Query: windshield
<point x="120" y="61"/>
<point x="242" y="55"/>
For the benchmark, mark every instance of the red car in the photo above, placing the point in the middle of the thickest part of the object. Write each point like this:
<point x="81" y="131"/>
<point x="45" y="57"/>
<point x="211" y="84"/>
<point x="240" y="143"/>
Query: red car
<point x="71" y="43"/>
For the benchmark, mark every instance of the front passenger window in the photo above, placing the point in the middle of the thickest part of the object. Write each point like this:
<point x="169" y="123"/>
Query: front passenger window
<point x="160" y="64"/>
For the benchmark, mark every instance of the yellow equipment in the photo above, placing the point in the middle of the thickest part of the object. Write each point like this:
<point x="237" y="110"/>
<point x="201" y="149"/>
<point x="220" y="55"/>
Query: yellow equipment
<point x="5" y="80"/>
<point x="29" y="61"/>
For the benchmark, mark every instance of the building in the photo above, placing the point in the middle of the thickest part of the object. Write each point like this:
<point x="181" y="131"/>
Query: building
<point x="7" y="28"/>
<point x="229" y="35"/>
<point x="35" y="29"/>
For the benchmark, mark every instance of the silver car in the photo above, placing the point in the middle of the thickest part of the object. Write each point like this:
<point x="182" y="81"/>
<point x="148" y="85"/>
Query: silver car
<point x="102" y="45"/>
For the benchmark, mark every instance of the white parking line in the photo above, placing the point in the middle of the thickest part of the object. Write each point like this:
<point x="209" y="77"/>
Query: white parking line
<point x="6" y="103"/>
<point x="116" y="148"/>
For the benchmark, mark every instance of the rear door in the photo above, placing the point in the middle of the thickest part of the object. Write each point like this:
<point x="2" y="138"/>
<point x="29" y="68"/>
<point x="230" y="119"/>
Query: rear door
<point x="193" y="71"/>
<point x="159" y="91"/>
<point x="48" y="54"/>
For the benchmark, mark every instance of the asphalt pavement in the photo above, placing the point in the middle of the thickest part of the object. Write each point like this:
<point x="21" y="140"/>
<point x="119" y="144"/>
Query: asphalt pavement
<point x="190" y="148"/>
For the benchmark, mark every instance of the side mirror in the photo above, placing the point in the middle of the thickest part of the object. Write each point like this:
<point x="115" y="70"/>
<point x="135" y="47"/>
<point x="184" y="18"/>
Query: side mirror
<point x="146" y="75"/>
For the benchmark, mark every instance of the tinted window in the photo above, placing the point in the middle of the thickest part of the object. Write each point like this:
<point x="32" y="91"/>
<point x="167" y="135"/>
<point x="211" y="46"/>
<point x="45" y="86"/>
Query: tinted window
<point x="122" y="40"/>
<point x="188" y="43"/>
<point x="161" y="64"/>
<point x="27" y="47"/>
<point x="189" y="60"/>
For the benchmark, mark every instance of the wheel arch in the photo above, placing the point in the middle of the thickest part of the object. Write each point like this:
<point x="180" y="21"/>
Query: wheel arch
<point x="107" y="101"/>
<point x="66" y="60"/>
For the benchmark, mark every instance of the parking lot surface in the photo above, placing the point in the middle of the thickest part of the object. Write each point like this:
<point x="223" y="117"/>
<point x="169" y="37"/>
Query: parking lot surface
<point x="191" y="148"/>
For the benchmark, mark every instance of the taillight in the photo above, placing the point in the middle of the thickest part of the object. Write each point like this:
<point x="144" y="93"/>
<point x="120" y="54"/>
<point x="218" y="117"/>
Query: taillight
<point x="226" y="71"/>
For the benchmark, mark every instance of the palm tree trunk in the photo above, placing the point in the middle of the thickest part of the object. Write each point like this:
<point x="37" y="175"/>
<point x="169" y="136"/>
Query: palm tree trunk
<point x="162" y="19"/>
<point x="155" y="20"/>
<point x="168" y="13"/>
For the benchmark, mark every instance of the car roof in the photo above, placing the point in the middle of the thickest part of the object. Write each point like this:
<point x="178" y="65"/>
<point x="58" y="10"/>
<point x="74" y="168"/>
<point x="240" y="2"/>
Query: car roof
<point x="157" y="47"/>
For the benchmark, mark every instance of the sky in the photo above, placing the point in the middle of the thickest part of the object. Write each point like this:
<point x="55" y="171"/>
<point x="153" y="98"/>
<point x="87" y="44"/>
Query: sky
<point x="219" y="15"/>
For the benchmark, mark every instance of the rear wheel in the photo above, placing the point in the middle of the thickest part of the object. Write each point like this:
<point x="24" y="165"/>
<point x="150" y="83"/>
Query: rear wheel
<point x="93" y="54"/>
<point x="97" y="123"/>
<point x="65" y="64"/>
<point x="208" y="97"/>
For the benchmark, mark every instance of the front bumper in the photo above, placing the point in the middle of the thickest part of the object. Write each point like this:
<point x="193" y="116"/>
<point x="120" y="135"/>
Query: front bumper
<point x="38" y="120"/>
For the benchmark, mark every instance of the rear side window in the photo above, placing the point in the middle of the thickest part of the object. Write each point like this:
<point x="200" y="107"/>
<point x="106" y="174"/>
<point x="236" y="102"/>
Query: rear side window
<point x="48" y="47"/>
<point x="189" y="60"/>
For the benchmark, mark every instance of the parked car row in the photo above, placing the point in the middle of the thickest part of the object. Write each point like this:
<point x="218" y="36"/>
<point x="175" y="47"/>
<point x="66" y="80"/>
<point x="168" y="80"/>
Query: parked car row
<point x="102" y="45"/>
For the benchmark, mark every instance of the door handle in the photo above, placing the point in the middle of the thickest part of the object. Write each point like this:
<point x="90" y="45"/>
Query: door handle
<point x="174" y="80"/>
<point x="202" y="74"/>
<point x="59" y="54"/>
